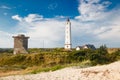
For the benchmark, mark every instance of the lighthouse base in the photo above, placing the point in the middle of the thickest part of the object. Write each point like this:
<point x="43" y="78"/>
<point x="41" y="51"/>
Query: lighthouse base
<point x="68" y="47"/>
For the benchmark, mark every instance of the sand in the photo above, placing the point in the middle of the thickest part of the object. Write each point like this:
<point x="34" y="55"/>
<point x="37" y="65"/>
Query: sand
<point x="104" y="72"/>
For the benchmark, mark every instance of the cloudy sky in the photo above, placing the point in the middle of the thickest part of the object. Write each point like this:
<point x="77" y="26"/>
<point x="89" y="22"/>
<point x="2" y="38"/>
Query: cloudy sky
<point x="93" y="22"/>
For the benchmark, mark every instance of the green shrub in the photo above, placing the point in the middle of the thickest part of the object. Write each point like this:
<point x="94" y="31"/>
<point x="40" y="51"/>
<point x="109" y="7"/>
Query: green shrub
<point x="102" y="50"/>
<point x="49" y="60"/>
<point x="53" y="68"/>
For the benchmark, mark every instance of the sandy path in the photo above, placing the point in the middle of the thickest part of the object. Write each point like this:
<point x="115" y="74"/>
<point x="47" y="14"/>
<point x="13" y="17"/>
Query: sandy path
<point x="105" y="72"/>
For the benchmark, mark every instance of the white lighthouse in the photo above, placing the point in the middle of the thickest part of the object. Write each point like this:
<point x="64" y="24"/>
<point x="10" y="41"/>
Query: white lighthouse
<point x="68" y="44"/>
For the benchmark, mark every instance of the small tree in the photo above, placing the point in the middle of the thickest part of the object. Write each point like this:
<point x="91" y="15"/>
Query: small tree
<point x="100" y="56"/>
<point x="102" y="50"/>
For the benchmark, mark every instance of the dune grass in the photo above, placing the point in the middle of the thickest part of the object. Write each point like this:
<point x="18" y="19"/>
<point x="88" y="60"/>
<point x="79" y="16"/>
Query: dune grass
<point x="39" y="60"/>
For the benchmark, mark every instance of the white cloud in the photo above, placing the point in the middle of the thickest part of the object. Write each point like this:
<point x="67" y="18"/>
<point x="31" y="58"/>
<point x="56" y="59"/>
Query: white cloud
<point x="30" y="18"/>
<point x="99" y="23"/>
<point x="39" y="29"/>
<point x="92" y="10"/>
<point x="16" y="17"/>
<point x="52" y="6"/>
<point x="51" y="30"/>
<point x="33" y="18"/>
<point x="58" y="17"/>
<point x="6" y="40"/>
<point x="5" y="7"/>
<point x="94" y="25"/>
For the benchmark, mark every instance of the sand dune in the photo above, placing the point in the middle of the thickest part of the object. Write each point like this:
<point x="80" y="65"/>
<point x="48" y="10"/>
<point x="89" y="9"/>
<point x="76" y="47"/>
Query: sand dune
<point x="105" y="72"/>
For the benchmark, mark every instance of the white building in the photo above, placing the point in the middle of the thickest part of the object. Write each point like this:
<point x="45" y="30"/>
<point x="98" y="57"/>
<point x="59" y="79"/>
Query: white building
<point x="78" y="48"/>
<point x="87" y="46"/>
<point x="68" y="44"/>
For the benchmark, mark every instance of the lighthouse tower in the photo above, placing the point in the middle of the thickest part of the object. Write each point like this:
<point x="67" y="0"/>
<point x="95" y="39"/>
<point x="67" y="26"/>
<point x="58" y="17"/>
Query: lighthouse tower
<point x="68" y="44"/>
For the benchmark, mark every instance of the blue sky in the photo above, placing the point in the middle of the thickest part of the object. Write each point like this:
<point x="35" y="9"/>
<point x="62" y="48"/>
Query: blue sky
<point x="93" y="22"/>
<point x="53" y="7"/>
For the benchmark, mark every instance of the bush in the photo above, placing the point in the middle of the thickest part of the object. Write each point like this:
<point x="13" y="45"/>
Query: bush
<point x="116" y="55"/>
<point x="13" y="59"/>
<point x="53" y="68"/>
<point x="58" y="57"/>
<point x="102" y="50"/>
<point x="101" y="56"/>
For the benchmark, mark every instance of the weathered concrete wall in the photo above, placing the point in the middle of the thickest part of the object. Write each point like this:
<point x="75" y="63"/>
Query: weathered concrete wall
<point x="20" y="44"/>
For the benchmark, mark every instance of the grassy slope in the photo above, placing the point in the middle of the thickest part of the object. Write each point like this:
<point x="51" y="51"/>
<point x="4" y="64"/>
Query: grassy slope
<point x="40" y="60"/>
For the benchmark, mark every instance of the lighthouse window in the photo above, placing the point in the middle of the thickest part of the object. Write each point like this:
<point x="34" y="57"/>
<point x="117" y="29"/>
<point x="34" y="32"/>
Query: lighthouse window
<point x="67" y="46"/>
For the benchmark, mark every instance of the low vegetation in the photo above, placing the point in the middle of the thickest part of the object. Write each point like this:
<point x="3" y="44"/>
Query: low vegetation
<point x="39" y="60"/>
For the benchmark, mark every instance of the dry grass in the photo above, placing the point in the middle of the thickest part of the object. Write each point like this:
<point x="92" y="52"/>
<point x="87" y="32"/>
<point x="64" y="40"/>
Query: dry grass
<point x="105" y="72"/>
<point x="8" y="73"/>
<point x="112" y="50"/>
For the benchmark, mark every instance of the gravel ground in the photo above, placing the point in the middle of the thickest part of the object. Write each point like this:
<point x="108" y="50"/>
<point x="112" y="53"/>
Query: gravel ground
<point x="105" y="72"/>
